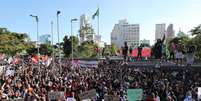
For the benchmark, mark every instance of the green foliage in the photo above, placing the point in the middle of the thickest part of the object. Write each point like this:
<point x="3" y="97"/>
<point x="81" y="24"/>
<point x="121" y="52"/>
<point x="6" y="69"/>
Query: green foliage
<point x="196" y="30"/>
<point x="186" y="40"/>
<point x="87" y="49"/>
<point x="113" y="49"/>
<point x="46" y="49"/>
<point x="12" y="43"/>
<point x="196" y="40"/>
<point x="67" y="45"/>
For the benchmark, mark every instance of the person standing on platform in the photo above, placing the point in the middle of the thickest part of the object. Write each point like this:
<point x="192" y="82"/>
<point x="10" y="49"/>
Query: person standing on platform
<point x="139" y="53"/>
<point x="190" y="55"/>
<point x="125" y="51"/>
<point x="130" y="52"/>
<point x="172" y="51"/>
<point x="158" y="48"/>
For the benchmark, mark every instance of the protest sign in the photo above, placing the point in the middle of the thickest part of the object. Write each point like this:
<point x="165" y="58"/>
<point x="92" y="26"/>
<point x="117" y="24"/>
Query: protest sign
<point x="21" y="99"/>
<point x="70" y="99"/>
<point x="2" y="69"/>
<point x="88" y="94"/>
<point x="83" y="63"/>
<point x="111" y="98"/>
<point x="199" y="93"/>
<point x="87" y="100"/>
<point x="56" y="95"/>
<point x="134" y="94"/>
<point x="10" y="71"/>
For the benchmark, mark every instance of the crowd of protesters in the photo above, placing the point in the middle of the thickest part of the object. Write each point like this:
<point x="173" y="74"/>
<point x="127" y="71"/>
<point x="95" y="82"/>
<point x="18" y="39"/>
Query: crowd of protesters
<point x="32" y="83"/>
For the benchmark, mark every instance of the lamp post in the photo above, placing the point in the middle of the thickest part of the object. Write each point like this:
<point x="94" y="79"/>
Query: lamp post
<point x="58" y="12"/>
<point x="72" y="20"/>
<point x="37" y="20"/>
<point x="52" y="43"/>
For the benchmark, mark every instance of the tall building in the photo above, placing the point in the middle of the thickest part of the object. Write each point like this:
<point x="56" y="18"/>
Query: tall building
<point x="160" y="31"/>
<point x="84" y="21"/>
<point x="170" y="33"/>
<point x="86" y="30"/>
<point x="125" y="32"/>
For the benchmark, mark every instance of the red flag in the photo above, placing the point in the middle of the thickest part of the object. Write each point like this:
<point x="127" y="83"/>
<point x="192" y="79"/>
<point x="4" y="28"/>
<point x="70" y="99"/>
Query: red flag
<point x="35" y="59"/>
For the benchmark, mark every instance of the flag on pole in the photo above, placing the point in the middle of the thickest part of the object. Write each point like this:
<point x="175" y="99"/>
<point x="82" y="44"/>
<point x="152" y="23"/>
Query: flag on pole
<point x="58" y="12"/>
<point x="96" y="14"/>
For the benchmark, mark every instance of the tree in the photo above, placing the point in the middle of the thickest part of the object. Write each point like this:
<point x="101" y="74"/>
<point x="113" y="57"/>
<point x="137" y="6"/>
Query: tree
<point x="113" y="49"/>
<point x="67" y="45"/>
<point x="12" y="42"/>
<point x="87" y="49"/>
<point x="196" y="30"/>
<point x="87" y="32"/>
<point x="46" y="49"/>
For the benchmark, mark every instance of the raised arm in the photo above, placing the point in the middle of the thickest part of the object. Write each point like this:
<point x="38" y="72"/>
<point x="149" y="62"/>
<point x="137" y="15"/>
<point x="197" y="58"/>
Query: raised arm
<point x="163" y="38"/>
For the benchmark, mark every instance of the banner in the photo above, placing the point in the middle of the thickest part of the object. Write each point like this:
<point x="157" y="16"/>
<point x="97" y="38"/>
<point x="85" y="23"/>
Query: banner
<point x="2" y="70"/>
<point x="88" y="94"/>
<point x="83" y="63"/>
<point x="111" y="98"/>
<point x="56" y="95"/>
<point x="134" y="94"/>
<point x="10" y="71"/>
<point x="21" y="99"/>
<point x="199" y="93"/>
<point x="70" y="99"/>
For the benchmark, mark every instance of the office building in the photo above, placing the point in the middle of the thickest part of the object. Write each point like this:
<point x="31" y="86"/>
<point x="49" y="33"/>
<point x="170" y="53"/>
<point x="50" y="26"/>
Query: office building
<point x="125" y="32"/>
<point x="160" y="31"/>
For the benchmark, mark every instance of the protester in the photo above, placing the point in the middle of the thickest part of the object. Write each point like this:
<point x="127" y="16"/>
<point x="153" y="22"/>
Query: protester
<point x="139" y="54"/>
<point x="107" y="79"/>
<point x="125" y="51"/>
<point x="179" y="53"/>
<point x="190" y="54"/>
<point x="172" y="51"/>
<point x="158" y="48"/>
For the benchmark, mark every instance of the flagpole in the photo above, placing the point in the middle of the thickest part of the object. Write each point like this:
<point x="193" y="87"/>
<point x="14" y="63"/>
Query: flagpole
<point x="98" y="28"/>
<point x="98" y="33"/>
<point x="52" y="44"/>
<point x="58" y="12"/>
<point x="37" y="42"/>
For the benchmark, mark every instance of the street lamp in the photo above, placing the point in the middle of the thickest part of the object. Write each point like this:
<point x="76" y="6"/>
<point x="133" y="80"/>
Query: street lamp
<point x="37" y="20"/>
<point x="58" y="12"/>
<point x="72" y="20"/>
<point x="52" y="43"/>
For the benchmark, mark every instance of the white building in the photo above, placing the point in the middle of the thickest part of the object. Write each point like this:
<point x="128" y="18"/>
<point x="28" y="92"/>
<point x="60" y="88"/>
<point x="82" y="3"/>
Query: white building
<point x="125" y="32"/>
<point x="160" y="31"/>
<point x="86" y="31"/>
<point x="170" y="33"/>
<point x="84" y="21"/>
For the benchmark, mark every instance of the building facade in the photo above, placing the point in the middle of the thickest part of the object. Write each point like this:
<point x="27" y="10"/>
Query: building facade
<point x="170" y="33"/>
<point x="125" y="32"/>
<point x="160" y="31"/>
<point x="86" y="31"/>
